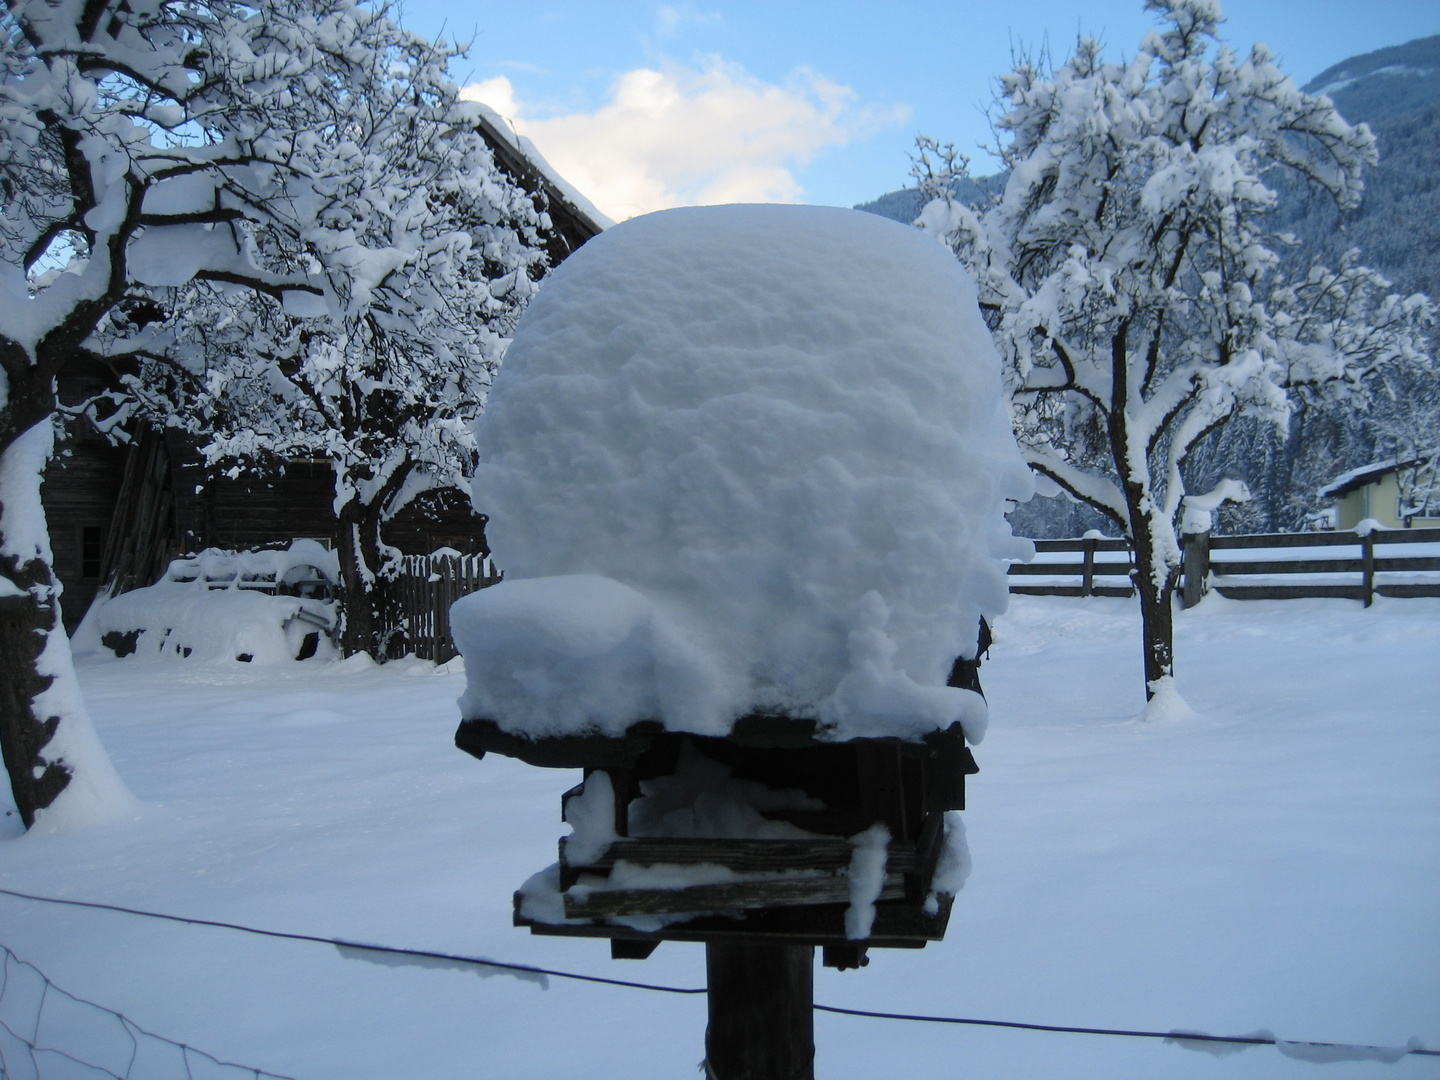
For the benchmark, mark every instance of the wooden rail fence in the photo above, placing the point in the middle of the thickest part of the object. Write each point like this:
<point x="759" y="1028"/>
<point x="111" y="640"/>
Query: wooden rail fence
<point x="1267" y="566"/>
<point x="1272" y="566"/>
<point x="1100" y="573"/>
<point x="426" y="587"/>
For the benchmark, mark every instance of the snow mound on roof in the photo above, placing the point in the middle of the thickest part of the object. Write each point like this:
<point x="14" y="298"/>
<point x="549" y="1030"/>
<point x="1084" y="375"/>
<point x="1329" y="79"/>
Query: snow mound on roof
<point x="743" y="458"/>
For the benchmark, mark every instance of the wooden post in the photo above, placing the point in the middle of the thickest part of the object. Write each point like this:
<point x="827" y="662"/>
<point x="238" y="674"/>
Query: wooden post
<point x="1196" y="547"/>
<point x="1087" y="581"/>
<point x="1367" y="558"/>
<point x="762" y="1020"/>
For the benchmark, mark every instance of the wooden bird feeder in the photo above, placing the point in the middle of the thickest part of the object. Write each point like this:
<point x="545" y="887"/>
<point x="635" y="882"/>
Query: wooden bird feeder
<point x="753" y="462"/>
<point x="786" y="896"/>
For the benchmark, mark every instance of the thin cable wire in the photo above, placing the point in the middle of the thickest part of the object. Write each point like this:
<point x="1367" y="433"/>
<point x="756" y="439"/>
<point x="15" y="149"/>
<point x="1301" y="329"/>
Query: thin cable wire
<point x="343" y="943"/>
<point x="1249" y="1040"/>
<point x="1175" y="1036"/>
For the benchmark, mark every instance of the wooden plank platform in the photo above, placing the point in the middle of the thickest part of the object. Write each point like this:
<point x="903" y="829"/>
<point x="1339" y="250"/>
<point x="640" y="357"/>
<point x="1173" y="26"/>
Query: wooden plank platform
<point x="898" y="925"/>
<point x="742" y="856"/>
<point x="727" y="896"/>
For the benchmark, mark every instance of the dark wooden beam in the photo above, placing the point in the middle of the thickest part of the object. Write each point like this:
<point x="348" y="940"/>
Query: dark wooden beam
<point x="762" y="1019"/>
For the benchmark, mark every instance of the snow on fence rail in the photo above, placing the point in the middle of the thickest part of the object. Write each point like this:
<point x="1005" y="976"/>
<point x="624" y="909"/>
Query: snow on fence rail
<point x="426" y="587"/>
<point x="48" y="1032"/>
<point x="1267" y="566"/>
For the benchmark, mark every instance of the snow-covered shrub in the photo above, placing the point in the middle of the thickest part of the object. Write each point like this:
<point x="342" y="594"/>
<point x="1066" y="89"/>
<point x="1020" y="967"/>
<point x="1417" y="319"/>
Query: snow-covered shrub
<point x="252" y="606"/>
<point x="743" y="458"/>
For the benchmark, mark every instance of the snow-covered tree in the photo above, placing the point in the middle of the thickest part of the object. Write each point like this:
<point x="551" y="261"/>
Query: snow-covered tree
<point x="150" y="146"/>
<point x="1406" y="428"/>
<point x="1132" y="286"/>
<point x="387" y="384"/>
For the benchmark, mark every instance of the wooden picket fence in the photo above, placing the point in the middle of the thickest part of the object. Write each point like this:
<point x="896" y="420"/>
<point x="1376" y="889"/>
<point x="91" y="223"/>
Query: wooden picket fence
<point x="426" y="587"/>
<point x="1267" y="566"/>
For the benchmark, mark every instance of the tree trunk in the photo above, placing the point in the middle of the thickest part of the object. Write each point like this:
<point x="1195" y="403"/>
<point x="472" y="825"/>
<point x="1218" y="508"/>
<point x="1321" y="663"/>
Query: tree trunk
<point x="25" y="623"/>
<point x="49" y="746"/>
<point x="1155" y="582"/>
<point x="359" y="544"/>
<point x="368" y="598"/>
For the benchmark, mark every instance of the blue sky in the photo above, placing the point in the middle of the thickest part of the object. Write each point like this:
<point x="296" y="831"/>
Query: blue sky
<point x="644" y="105"/>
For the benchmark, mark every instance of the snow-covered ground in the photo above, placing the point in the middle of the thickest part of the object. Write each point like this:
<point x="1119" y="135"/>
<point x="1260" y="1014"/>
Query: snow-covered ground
<point x="1272" y="862"/>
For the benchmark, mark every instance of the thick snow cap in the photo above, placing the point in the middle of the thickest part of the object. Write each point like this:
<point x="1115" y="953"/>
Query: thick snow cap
<point x="743" y="459"/>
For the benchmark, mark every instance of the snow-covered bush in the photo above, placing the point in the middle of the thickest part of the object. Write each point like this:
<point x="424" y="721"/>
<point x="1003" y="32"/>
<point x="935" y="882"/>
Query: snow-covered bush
<point x="259" y="607"/>
<point x="743" y="458"/>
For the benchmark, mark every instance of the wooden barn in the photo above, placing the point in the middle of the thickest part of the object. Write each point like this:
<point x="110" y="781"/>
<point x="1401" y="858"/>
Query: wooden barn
<point x="119" y="514"/>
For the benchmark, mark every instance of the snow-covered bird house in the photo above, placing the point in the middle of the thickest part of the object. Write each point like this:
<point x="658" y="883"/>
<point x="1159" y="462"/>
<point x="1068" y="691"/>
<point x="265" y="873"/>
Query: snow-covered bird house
<point x="746" y="468"/>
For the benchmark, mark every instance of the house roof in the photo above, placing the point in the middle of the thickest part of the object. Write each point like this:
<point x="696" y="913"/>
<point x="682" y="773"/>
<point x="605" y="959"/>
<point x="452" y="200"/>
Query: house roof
<point x="574" y="217"/>
<point x="1365" y="474"/>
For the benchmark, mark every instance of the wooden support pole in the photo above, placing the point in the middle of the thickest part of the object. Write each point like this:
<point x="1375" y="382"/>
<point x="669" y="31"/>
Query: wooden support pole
<point x="762" y="1020"/>
<point x="1367" y="558"/>
<point x="1087" y="580"/>
<point x="1196" y="560"/>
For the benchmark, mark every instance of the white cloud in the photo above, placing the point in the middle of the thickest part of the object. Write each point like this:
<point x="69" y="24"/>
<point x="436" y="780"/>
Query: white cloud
<point x="681" y="136"/>
<point x="672" y="19"/>
<point x="498" y="94"/>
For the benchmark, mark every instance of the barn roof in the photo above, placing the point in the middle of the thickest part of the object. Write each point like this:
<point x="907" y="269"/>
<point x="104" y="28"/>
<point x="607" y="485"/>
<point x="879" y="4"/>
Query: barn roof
<point x="575" y="218"/>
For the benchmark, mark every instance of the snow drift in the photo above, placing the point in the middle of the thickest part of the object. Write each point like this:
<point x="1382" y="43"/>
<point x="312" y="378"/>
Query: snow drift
<point x="739" y="459"/>
<point x="217" y="605"/>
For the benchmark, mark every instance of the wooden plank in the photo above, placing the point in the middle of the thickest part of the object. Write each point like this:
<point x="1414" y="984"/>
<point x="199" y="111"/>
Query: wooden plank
<point x="739" y="855"/>
<point x="1408" y="590"/>
<point x="1102" y="569"/>
<point x="878" y="764"/>
<point x="722" y="896"/>
<point x="1046" y="590"/>
<point x="898" y="925"/>
<point x="1078" y="544"/>
<point x="1291" y="592"/>
<point x="1407" y="536"/>
<point x="1285" y="540"/>
<point x="928" y="847"/>
<point x="1398" y="564"/>
<point x="1287" y="566"/>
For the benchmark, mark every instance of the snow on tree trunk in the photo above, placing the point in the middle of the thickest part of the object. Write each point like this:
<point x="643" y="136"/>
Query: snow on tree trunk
<point x="1131" y="285"/>
<point x="57" y="766"/>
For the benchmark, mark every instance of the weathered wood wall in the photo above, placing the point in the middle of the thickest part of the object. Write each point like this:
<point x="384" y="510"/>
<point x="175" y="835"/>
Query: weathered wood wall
<point x="79" y="494"/>
<point x="119" y="514"/>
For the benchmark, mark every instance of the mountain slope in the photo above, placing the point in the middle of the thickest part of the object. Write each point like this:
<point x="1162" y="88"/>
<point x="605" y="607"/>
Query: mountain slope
<point x="1397" y="227"/>
<point x="1396" y="91"/>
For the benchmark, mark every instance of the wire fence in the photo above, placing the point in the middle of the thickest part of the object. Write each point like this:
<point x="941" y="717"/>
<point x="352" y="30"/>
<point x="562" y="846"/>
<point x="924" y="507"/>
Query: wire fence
<point x="47" y="1033"/>
<point x="1317" y="1052"/>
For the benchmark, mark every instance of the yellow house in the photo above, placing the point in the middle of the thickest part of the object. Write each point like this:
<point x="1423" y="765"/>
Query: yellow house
<point x="1374" y="492"/>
